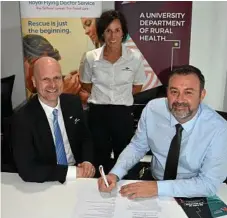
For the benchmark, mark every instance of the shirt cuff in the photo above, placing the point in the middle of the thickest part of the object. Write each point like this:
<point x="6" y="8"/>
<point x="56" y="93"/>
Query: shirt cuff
<point x="119" y="173"/>
<point x="85" y="81"/>
<point x="71" y="173"/>
<point x="165" y="188"/>
<point x="138" y="83"/>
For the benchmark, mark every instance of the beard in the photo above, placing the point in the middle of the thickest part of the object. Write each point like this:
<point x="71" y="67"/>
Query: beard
<point x="183" y="113"/>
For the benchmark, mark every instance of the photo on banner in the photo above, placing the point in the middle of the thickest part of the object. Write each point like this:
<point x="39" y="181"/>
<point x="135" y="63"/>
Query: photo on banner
<point x="161" y="32"/>
<point x="64" y="30"/>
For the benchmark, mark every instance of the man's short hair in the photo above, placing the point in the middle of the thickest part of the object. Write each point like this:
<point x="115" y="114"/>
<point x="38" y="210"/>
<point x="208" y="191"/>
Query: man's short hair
<point x="187" y="70"/>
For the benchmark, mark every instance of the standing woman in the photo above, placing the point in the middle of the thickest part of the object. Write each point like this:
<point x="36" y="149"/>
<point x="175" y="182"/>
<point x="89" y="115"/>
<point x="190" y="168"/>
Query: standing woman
<point x="112" y="74"/>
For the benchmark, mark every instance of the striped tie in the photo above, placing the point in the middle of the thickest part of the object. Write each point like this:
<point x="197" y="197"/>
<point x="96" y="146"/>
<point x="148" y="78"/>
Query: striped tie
<point x="59" y="144"/>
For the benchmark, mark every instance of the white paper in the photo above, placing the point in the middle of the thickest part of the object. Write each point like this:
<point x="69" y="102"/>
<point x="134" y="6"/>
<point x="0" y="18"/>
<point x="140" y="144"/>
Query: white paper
<point x="93" y="204"/>
<point x="138" y="208"/>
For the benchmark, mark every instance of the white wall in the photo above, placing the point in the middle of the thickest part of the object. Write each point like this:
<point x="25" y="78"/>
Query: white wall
<point x="11" y="49"/>
<point x="225" y="99"/>
<point x="208" y="49"/>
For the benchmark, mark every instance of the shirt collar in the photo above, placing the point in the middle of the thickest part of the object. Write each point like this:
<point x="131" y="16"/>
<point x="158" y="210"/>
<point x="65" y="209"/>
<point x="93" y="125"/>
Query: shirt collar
<point x="189" y="124"/>
<point x="49" y="110"/>
<point x="99" y="53"/>
<point x="125" y="52"/>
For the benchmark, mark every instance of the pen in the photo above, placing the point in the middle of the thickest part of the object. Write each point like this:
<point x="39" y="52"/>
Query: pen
<point x="101" y="170"/>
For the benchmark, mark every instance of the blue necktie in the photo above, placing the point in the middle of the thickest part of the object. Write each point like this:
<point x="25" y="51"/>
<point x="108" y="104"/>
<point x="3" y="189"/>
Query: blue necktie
<point x="60" y="150"/>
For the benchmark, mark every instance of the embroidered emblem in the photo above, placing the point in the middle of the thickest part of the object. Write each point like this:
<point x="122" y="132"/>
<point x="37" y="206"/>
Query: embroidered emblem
<point x="76" y="120"/>
<point x="126" y="69"/>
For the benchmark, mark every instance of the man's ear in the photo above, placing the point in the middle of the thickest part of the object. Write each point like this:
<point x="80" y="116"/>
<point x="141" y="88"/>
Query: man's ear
<point x="203" y="94"/>
<point x="33" y="81"/>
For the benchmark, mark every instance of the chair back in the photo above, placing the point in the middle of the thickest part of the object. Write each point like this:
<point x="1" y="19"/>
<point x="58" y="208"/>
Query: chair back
<point x="7" y="162"/>
<point x="224" y="115"/>
<point x="6" y="95"/>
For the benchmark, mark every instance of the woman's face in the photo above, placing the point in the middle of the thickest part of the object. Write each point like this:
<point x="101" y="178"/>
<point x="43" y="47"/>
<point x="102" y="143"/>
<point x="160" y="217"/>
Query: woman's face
<point x="28" y="75"/>
<point x="89" y="25"/>
<point x="113" y="34"/>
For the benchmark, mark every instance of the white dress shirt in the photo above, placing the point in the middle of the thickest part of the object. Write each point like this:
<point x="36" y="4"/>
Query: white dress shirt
<point x="71" y="173"/>
<point x="112" y="83"/>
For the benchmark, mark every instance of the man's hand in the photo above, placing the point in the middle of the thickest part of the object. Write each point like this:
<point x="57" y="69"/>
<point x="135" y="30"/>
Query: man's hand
<point x="140" y="190"/>
<point x="71" y="83"/>
<point x="85" y="170"/>
<point x="111" y="179"/>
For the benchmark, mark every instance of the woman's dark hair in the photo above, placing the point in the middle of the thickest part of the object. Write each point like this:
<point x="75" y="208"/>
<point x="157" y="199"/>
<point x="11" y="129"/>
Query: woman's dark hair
<point x="187" y="70"/>
<point x="104" y="21"/>
<point x="36" y="46"/>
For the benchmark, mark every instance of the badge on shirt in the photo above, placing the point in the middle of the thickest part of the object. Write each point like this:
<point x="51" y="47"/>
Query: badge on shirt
<point x="126" y="69"/>
<point x="75" y="120"/>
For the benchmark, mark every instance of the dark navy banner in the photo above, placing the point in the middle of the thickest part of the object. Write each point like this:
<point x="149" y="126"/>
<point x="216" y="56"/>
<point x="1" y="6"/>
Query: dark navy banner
<point x="161" y="32"/>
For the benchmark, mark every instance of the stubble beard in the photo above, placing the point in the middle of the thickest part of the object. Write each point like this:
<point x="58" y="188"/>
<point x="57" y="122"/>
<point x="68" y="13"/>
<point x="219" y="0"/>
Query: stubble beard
<point x="181" y="114"/>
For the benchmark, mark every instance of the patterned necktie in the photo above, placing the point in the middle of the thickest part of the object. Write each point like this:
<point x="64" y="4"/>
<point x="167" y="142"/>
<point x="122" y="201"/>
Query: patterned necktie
<point x="59" y="144"/>
<point x="173" y="155"/>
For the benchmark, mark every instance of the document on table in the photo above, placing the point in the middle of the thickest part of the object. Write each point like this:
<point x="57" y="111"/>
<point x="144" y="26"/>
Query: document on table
<point x="93" y="204"/>
<point x="93" y="207"/>
<point x="138" y="208"/>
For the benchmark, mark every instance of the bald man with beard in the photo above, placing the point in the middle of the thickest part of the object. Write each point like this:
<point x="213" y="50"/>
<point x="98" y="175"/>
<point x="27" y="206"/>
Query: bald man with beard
<point x="50" y="139"/>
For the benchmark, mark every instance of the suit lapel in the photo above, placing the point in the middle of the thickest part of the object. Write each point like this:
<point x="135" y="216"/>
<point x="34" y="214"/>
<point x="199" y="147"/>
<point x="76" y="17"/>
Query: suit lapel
<point x="68" y="116"/>
<point x="43" y="127"/>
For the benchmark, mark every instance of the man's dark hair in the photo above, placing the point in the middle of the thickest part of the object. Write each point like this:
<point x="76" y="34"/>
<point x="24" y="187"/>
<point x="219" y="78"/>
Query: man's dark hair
<point x="187" y="70"/>
<point x="104" y="21"/>
<point x="36" y="46"/>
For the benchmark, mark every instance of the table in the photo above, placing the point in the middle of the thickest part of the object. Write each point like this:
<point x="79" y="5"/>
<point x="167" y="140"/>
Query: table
<point x="51" y="199"/>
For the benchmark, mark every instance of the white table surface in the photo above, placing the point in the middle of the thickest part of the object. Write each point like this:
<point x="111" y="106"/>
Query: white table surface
<point x="51" y="199"/>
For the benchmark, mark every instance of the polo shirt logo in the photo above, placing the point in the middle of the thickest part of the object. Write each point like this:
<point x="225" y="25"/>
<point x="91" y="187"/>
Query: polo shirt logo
<point x="126" y="69"/>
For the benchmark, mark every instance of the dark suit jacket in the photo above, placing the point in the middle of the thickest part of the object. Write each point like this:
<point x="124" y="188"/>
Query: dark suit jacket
<point x="33" y="144"/>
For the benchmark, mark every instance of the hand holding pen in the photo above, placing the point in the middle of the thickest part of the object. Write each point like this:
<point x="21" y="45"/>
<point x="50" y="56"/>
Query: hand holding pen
<point x="106" y="183"/>
<point x="101" y="170"/>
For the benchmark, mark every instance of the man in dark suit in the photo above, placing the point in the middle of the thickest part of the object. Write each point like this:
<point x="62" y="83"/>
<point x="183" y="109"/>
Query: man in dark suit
<point x="50" y="139"/>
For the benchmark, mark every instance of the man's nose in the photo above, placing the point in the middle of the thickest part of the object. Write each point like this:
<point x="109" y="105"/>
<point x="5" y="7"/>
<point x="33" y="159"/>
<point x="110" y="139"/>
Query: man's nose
<point x="52" y="84"/>
<point x="180" y="97"/>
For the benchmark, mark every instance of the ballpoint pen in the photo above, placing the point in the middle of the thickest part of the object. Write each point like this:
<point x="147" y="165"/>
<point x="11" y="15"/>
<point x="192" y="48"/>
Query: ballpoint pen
<point x="101" y="170"/>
